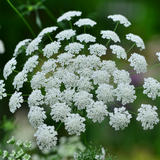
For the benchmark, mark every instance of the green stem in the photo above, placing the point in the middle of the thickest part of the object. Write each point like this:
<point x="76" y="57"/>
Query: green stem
<point x="120" y="107"/>
<point x="15" y="71"/>
<point x="47" y="10"/>
<point x="116" y="104"/>
<point x="59" y="126"/>
<point x="114" y="31"/>
<point x="84" y="28"/>
<point x="108" y="42"/>
<point x="133" y="73"/>
<point x="50" y="38"/>
<point x="9" y="94"/>
<point x="50" y="14"/>
<point x="138" y="87"/>
<point x="70" y="23"/>
<point x="84" y="138"/>
<point x="131" y="47"/>
<point x="25" y="94"/>
<point x="153" y="66"/>
<point x="129" y="68"/>
<point x="21" y="18"/>
<point x="116" y="26"/>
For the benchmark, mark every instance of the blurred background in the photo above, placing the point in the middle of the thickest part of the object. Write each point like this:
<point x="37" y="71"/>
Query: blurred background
<point x="133" y="143"/>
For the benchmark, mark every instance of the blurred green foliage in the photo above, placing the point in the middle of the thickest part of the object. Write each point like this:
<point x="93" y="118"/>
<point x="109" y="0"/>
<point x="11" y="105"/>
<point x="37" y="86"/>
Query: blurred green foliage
<point x="132" y="142"/>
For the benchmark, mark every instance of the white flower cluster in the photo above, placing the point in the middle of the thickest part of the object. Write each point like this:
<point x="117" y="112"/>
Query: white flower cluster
<point x="152" y="87"/>
<point x="138" y="41"/>
<point x="121" y="19"/>
<point x="46" y="136"/>
<point x="15" y="101"/>
<point x="138" y="62"/>
<point x="120" y="118"/>
<point x="119" y="51"/>
<point x="148" y="116"/>
<point x="2" y="89"/>
<point x="2" y="48"/>
<point x="75" y="83"/>
<point x="110" y="35"/>
<point x="85" y="21"/>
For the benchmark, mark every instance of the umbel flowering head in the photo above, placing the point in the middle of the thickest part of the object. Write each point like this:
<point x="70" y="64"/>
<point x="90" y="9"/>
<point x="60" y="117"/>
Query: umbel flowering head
<point x="69" y="76"/>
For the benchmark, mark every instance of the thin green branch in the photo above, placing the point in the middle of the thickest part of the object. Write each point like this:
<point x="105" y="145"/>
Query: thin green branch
<point x="58" y="126"/>
<point x="153" y="66"/>
<point x="116" y="26"/>
<point x="114" y="31"/>
<point x="127" y="109"/>
<point x="21" y="18"/>
<point x="131" y="47"/>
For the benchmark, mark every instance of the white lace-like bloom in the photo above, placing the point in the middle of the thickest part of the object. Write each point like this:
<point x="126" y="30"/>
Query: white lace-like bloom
<point x="49" y="65"/>
<point x="68" y="15"/>
<point x="109" y="66"/>
<point x="134" y="38"/>
<point x="36" y="116"/>
<point x="15" y="100"/>
<point x="85" y="21"/>
<point x="70" y="67"/>
<point x="33" y="45"/>
<point x="74" y="48"/>
<point x="85" y="72"/>
<point x="59" y="111"/>
<point x="2" y="89"/>
<point x="80" y="62"/>
<point x="97" y="111"/>
<point x="35" y="98"/>
<point x="52" y="96"/>
<point x="65" y="58"/>
<point x="138" y="62"/>
<point x="105" y="93"/>
<point x="46" y="136"/>
<point x="86" y="38"/>
<point x="148" y="116"/>
<point x="31" y="63"/>
<point x="82" y="99"/>
<point x="37" y="80"/>
<point x="125" y="92"/>
<point x="97" y="49"/>
<point x="9" y="67"/>
<point x="19" y="79"/>
<point x="84" y="84"/>
<point x="158" y="54"/>
<point x="66" y="34"/>
<point x="74" y="124"/>
<point x="121" y="76"/>
<point x="100" y="77"/>
<point x="151" y="87"/>
<point x="51" y="49"/>
<point x="52" y="82"/>
<point x="93" y="62"/>
<point x="2" y="49"/>
<point x="122" y="20"/>
<point x="20" y="46"/>
<point x="101" y="156"/>
<point x="119" y="51"/>
<point x="60" y="72"/>
<point x="110" y="35"/>
<point x="67" y="96"/>
<point x="120" y="118"/>
<point x="47" y="30"/>
<point x="70" y="80"/>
